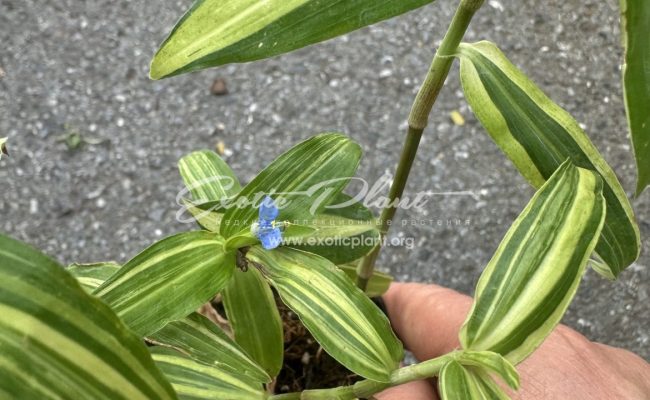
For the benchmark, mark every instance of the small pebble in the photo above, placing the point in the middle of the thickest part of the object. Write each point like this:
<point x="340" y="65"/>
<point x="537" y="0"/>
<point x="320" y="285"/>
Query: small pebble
<point x="218" y="87"/>
<point x="221" y="148"/>
<point x="457" y="118"/>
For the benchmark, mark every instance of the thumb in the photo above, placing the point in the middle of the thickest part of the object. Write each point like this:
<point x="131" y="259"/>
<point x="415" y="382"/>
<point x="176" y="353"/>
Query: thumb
<point x="426" y="318"/>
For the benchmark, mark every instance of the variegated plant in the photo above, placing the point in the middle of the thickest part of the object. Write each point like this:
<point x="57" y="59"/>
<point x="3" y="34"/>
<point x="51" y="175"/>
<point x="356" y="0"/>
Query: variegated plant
<point x="83" y="338"/>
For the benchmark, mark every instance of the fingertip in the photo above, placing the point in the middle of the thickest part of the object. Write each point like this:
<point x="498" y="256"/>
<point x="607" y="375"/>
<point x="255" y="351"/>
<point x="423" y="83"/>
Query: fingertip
<point x="427" y="318"/>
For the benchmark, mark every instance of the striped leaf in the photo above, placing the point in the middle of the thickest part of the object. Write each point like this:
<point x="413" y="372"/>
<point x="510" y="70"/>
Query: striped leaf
<point x="457" y="382"/>
<point x="343" y="320"/>
<point x="59" y="342"/>
<point x="208" y="219"/>
<point x="207" y="177"/>
<point x="193" y="380"/>
<point x="538" y="135"/>
<point x="91" y="276"/>
<point x="344" y="232"/>
<point x="168" y="280"/>
<point x="378" y="283"/>
<point x="217" y="32"/>
<point x="194" y="335"/>
<point x="531" y="279"/>
<point x="492" y="362"/>
<point x="203" y="341"/>
<point x="338" y="239"/>
<point x="302" y="181"/>
<point x="255" y="319"/>
<point x="635" y="29"/>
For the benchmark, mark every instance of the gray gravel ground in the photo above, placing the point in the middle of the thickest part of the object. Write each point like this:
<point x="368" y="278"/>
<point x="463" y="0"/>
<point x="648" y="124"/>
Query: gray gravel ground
<point x="82" y="67"/>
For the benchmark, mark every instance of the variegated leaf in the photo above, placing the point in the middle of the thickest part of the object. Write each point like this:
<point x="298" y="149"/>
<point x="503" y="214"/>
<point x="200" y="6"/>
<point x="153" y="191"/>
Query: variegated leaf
<point x="492" y="362"/>
<point x="208" y="177"/>
<point x="255" y="319"/>
<point x="530" y="281"/>
<point x="60" y="343"/>
<point x="216" y="32"/>
<point x="338" y="239"/>
<point x="635" y="29"/>
<point x="339" y="315"/>
<point x="203" y="341"/>
<point x="193" y="380"/>
<point x="91" y="276"/>
<point x="538" y="135"/>
<point x="377" y="285"/>
<point x="457" y="382"/>
<point x="194" y="335"/>
<point x="168" y="280"/>
<point x="208" y="219"/>
<point x="302" y="181"/>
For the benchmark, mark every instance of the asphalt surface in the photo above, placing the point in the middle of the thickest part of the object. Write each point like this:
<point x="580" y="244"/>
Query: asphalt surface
<point x="81" y="68"/>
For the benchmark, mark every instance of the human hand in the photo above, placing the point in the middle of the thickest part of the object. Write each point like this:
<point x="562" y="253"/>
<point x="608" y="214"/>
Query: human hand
<point x="566" y="366"/>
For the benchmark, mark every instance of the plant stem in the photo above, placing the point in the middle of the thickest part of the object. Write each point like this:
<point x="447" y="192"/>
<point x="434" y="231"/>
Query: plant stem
<point x="366" y="388"/>
<point x="418" y="120"/>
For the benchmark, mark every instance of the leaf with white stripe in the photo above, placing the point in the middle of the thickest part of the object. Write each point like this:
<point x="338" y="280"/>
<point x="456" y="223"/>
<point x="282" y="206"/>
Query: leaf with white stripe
<point x="193" y="380"/>
<point x="255" y="319"/>
<point x="203" y="341"/>
<point x="377" y="285"/>
<point x="302" y="181"/>
<point x="92" y="275"/>
<point x="339" y="315"/>
<point x="208" y="218"/>
<point x="534" y="274"/>
<point x="492" y="362"/>
<point x="194" y="335"/>
<point x="216" y="32"/>
<point x="635" y="29"/>
<point x="538" y="136"/>
<point x="168" y="280"/>
<point x="458" y="382"/>
<point x="338" y="239"/>
<point x="207" y="177"/>
<point x="59" y="342"/>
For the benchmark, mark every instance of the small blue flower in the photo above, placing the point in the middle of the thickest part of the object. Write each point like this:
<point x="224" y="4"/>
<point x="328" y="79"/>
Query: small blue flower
<point x="266" y="229"/>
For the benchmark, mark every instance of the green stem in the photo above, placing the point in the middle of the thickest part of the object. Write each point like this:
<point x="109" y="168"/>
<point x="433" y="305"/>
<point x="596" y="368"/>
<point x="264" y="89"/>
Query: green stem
<point x="366" y="388"/>
<point x="418" y="120"/>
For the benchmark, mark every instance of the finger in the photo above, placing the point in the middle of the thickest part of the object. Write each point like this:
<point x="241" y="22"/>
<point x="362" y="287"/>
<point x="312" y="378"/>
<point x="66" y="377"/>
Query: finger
<point x="427" y="318"/>
<point x="416" y="390"/>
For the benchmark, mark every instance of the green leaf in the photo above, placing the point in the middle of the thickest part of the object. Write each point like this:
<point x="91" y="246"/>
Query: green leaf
<point x="217" y="32"/>
<point x="635" y="29"/>
<point x="59" y="342"/>
<point x="193" y="380"/>
<point x="535" y="272"/>
<point x="194" y="335"/>
<point x="339" y="315"/>
<point x="487" y="386"/>
<point x="378" y="283"/>
<point x="208" y="177"/>
<point x="338" y="239"/>
<point x="255" y="320"/>
<point x="493" y="362"/>
<point x="168" y="280"/>
<point x="305" y="178"/>
<point x="538" y="135"/>
<point x="208" y="219"/>
<point x="457" y="382"/>
<point x="203" y="341"/>
<point x="92" y="275"/>
<point x="346" y="206"/>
